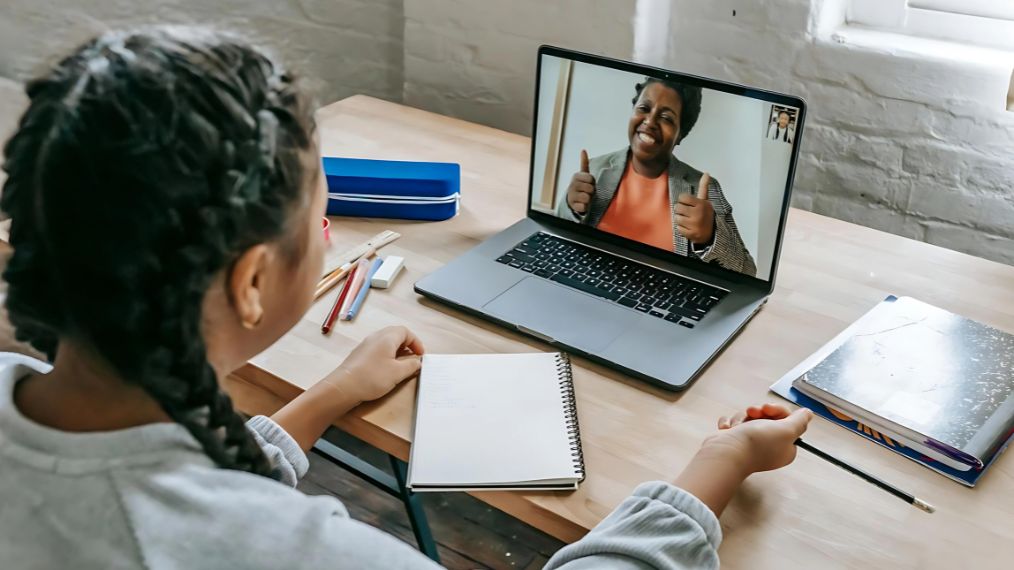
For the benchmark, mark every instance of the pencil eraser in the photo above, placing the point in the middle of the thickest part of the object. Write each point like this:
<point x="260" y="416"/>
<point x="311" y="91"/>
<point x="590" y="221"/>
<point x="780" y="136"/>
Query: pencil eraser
<point x="384" y="276"/>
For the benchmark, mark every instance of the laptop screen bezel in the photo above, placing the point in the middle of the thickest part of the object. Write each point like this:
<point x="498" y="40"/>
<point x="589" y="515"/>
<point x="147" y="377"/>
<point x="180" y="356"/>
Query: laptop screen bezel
<point x="653" y="252"/>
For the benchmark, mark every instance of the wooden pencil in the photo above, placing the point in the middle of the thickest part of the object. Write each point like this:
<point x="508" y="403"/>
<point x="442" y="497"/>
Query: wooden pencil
<point x="337" y="275"/>
<point x="907" y="497"/>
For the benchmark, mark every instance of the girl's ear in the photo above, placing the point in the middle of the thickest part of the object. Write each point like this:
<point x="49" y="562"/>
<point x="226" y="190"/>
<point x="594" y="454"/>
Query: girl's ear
<point x="245" y="285"/>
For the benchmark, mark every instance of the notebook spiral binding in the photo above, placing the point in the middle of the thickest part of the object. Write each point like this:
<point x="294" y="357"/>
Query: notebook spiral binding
<point x="566" y="375"/>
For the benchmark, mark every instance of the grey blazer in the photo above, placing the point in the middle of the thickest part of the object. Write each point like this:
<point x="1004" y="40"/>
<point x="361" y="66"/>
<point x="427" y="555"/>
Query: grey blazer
<point x="727" y="250"/>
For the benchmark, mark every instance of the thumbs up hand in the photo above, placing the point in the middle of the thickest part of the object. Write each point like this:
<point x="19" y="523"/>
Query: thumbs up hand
<point x="695" y="216"/>
<point x="581" y="188"/>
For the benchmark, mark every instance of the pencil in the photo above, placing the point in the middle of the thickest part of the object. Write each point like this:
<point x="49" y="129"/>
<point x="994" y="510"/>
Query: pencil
<point x="358" y="302"/>
<point x="343" y="267"/>
<point x="362" y="268"/>
<point x="325" y="285"/>
<point x="331" y="316"/>
<point x="332" y="278"/>
<point x="907" y="497"/>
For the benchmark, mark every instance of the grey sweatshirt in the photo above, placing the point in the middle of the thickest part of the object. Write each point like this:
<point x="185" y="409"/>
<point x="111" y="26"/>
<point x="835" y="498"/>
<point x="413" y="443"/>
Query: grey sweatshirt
<point x="147" y="497"/>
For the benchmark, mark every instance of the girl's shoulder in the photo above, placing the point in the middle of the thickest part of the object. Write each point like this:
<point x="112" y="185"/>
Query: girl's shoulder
<point x="226" y="518"/>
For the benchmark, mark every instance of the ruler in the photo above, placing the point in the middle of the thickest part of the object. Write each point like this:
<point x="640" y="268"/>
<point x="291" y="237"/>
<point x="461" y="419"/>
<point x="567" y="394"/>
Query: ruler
<point x="339" y="262"/>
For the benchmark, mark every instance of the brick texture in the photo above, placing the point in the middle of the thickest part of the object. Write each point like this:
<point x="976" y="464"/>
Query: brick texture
<point x="342" y="47"/>
<point x="901" y="142"/>
<point x="476" y="60"/>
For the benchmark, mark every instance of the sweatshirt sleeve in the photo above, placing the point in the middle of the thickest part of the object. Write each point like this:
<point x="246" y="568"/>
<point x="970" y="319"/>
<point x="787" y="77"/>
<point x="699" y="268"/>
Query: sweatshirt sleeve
<point x="658" y="526"/>
<point x="283" y="451"/>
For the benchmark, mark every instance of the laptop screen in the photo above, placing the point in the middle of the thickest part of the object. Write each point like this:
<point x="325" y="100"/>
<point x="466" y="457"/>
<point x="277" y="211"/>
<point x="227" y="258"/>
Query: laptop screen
<point x="667" y="162"/>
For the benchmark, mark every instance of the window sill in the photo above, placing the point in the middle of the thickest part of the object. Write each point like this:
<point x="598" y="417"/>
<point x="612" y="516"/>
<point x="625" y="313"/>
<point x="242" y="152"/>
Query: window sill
<point x="914" y="47"/>
<point x="995" y="63"/>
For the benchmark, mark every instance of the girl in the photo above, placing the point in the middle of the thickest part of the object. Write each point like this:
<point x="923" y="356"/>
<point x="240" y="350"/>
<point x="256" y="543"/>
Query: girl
<point x="192" y="159"/>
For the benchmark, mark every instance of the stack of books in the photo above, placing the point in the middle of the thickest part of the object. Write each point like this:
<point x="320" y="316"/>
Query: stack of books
<point x="933" y="386"/>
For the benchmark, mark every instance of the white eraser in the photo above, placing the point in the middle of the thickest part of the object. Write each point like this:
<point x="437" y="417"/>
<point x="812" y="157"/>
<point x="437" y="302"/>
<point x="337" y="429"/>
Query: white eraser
<point x="390" y="269"/>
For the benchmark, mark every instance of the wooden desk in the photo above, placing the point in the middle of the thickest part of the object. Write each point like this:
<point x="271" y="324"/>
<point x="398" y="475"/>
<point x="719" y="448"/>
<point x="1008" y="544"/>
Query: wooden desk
<point x="809" y="515"/>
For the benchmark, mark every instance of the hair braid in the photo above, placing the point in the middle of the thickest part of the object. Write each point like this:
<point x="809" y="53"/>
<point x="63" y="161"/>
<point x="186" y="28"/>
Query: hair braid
<point x="183" y="148"/>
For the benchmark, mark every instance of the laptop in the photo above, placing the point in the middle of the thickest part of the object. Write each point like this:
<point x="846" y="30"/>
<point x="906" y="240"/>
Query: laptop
<point x="656" y="208"/>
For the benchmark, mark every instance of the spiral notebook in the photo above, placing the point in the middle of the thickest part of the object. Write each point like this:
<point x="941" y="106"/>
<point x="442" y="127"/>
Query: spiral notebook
<point x="495" y="421"/>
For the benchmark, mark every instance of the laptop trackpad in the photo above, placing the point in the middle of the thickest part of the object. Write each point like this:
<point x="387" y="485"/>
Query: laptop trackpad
<point x="563" y="314"/>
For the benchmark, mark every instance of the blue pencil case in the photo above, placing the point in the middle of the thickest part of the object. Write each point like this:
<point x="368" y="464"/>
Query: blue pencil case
<point x="392" y="189"/>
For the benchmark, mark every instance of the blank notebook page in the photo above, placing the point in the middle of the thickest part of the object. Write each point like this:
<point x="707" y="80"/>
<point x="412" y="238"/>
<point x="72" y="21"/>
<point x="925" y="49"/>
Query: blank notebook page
<point x="490" y="419"/>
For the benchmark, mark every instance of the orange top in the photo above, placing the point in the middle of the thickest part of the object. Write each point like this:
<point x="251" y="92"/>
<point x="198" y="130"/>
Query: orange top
<point x="640" y="209"/>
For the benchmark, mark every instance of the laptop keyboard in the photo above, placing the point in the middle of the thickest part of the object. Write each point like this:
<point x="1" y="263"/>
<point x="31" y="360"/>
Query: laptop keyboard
<point x="642" y="288"/>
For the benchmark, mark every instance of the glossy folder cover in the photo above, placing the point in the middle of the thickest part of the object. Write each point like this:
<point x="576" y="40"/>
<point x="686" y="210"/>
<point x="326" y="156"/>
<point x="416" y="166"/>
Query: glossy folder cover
<point x="927" y="384"/>
<point x="392" y="189"/>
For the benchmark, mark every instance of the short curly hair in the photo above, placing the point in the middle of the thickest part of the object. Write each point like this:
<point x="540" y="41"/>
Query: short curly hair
<point x="689" y="95"/>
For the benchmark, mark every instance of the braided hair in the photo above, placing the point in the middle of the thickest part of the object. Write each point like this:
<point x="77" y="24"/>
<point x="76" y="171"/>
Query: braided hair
<point x="690" y="96"/>
<point x="181" y="148"/>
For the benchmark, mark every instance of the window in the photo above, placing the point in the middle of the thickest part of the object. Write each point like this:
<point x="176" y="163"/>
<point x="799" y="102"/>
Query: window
<point x="988" y="23"/>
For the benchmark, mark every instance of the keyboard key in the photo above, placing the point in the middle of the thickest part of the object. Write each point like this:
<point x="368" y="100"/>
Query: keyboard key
<point x="643" y="307"/>
<point x="504" y="259"/>
<point x="580" y="286"/>
<point x="672" y="318"/>
<point x="522" y="257"/>
<point x="658" y="314"/>
<point x="628" y="302"/>
<point x="566" y="272"/>
<point x="528" y="269"/>
<point x="542" y="273"/>
<point x="681" y="311"/>
<point x="516" y="263"/>
<point x="686" y="324"/>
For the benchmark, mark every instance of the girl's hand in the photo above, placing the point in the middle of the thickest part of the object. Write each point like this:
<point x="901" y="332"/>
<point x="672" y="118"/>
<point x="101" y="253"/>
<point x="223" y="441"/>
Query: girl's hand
<point x="761" y="438"/>
<point x="383" y="360"/>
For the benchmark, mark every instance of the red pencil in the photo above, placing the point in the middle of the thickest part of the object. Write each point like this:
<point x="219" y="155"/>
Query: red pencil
<point x="326" y="327"/>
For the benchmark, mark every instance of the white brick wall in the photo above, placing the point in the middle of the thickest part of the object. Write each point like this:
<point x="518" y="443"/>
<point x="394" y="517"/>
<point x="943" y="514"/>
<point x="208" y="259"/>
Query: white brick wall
<point x="476" y="59"/>
<point x="345" y="46"/>
<point x="914" y="144"/>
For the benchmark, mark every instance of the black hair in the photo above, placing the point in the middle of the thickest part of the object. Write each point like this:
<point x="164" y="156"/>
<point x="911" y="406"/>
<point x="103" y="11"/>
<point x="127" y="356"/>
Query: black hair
<point x="179" y="148"/>
<point x="690" y="96"/>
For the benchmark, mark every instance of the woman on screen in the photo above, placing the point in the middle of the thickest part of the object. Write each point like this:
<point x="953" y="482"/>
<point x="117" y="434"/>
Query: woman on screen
<point x="644" y="193"/>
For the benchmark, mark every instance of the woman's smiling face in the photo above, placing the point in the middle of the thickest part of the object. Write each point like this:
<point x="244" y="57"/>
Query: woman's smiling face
<point x="654" y="124"/>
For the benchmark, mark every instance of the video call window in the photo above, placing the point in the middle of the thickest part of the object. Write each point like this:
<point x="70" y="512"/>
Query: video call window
<point x="691" y="170"/>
